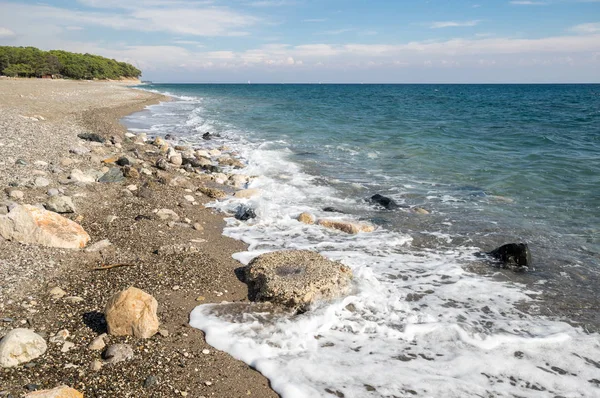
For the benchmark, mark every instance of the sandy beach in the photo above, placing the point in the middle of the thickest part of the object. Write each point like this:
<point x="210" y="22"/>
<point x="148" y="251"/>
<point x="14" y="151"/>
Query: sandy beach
<point x="181" y="260"/>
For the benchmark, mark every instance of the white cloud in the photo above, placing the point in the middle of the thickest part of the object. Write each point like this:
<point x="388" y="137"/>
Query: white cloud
<point x="587" y="28"/>
<point x="453" y="24"/>
<point x="5" y="32"/>
<point x="192" y="20"/>
<point x="528" y="3"/>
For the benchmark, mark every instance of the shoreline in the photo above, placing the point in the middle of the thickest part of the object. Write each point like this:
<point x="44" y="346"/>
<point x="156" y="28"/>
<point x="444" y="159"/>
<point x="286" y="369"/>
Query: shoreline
<point x="192" y="264"/>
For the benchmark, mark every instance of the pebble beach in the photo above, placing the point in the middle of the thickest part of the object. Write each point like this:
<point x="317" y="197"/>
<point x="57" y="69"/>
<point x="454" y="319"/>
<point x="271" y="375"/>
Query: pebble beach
<point x="62" y="148"/>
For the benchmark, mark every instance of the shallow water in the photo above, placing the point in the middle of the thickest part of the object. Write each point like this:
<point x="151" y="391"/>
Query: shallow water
<point x="492" y="164"/>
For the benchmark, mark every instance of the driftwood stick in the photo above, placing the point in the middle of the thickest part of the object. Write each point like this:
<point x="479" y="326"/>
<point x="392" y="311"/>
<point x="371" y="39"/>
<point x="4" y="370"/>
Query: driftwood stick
<point x="111" y="266"/>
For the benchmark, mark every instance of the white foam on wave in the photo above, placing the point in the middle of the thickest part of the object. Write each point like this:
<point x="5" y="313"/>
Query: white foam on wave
<point x="416" y="322"/>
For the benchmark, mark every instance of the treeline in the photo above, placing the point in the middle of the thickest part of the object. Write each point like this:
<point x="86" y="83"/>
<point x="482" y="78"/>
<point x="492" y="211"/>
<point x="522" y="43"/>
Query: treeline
<point x="32" y="62"/>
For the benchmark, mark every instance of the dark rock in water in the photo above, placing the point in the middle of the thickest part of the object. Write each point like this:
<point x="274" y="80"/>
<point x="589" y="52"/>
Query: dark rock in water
<point x="384" y="201"/>
<point x="244" y="213"/>
<point x="512" y="254"/>
<point x="113" y="175"/>
<point x="206" y="136"/>
<point x="91" y="137"/>
<point x="332" y="210"/>
<point x="169" y="137"/>
<point x="124" y="161"/>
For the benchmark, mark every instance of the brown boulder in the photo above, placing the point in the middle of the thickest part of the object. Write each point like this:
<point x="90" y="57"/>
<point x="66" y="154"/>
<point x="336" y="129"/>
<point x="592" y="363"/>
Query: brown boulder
<point x="58" y="392"/>
<point x="132" y="312"/>
<point x="296" y="278"/>
<point x="346" y="226"/>
<point x="32" y="225"/>
<point x="213" y="192"/>
<point x="306" y="218"/>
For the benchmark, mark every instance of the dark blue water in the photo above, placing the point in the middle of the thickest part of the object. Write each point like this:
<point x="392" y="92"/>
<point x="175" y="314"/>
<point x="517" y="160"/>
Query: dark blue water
<point x="491" y="164"/>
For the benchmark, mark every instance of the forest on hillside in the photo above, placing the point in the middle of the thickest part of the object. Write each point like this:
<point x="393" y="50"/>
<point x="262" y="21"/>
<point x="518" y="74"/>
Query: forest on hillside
<point x="33" y="62"/>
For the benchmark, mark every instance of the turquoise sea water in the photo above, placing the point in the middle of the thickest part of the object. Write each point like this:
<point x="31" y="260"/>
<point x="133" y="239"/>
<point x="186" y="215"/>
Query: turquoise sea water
<point x="491" y="163"/>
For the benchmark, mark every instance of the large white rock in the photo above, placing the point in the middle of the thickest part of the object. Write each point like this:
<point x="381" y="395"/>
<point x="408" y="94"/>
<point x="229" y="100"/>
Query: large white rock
<point x="21" y="346"/>
<point x="32" y="225"/>
<point x="80" y="177"/>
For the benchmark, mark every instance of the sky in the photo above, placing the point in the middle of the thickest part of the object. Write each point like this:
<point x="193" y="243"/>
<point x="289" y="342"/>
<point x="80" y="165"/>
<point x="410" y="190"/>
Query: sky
<point x="329" y="41"/>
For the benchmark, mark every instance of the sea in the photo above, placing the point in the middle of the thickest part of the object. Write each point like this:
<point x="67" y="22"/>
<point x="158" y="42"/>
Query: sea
<point x="427" y="316"/>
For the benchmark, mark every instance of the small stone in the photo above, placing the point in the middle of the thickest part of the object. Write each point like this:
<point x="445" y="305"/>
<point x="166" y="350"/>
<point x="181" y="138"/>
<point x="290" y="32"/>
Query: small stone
<point x="419" y="210"/>
<point x="103" y="244"/>
<point x="81" y="177"/>
<point x="79" y="150"/>
<point x="57" y="293"/>
<point x="98" y="343"/>
<point x="131" y="172"/>
<point x="60" y="337"/>
<point x="67" y="346"/>
<point x="132" y="187"/>
<point x="167" y="214"/>
<point x="41" y="182"/>
<point x="20" y="346"/>
<point x="60" y="204"/>
<point x="93" y="137"/>
<point x="176" y="159"/>
<point x="66" y="162"/>
<point x="32" y="387"/>
<point x="162" y="164"/>
<point x="118" y="353"/>
<point x="163" y="332"/>
<point x="16" y="194"/>
<point x="184" y="394"/>
<point x="74" y="299"/>
<point x="96" y="365"/>
<point x="213" y="193"/>
<point x="110" y="219"/>
<point x="176" y="287"/>
<point x="200" y="298"/>
<point x="112" y="176"/>
<point x="150" y="381"/>
<point x="208" y="383"/>
<point x="53" y="192"/>
<point x="198" y="227"/>
<point x="21" y="162"/>
<point x="124" y="161"/>
<point x="146" y="171"/>
<point x="244" y="213"/>
<point x="205" y="351"/>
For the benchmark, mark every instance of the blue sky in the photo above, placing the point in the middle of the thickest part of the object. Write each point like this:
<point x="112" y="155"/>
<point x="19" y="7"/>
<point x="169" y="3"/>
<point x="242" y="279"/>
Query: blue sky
<point x="432" y="41"/>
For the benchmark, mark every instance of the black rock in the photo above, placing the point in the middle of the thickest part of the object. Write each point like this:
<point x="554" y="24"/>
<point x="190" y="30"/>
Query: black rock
<point x="206" y="136"/>
<point x="169" y="137"/>
<point x="124" y="161"/>
<point x="189" y="168"/>
<point x="113" y="175"/>
<point x="212" y="168"/>
<point x="150" y="381"/>
<point x="162" y="164"/>
<point x="32" y="387"/>
<point x="141" y="217"/>
<point x="384" y="201"/>
<point x="332" y="210"/>
<point x="244" y="213"/>
<point x="91" y="137"/>
<point x="191" y="161"/>
<point x="512" y="254"/>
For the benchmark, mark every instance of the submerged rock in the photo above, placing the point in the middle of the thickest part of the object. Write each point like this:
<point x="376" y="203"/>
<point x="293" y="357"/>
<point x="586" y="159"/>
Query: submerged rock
<point x="21" y="346"/>
<point x="244" y="213"/>
<point x="32" y="225"/>
<point x="384" y="201"/>
<point x="132" y="312"/>
<point x="512" y="254"/>
<point x="296" y="278"/>
<point x="348" y="227"/>
<point x="306" y="218"/>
